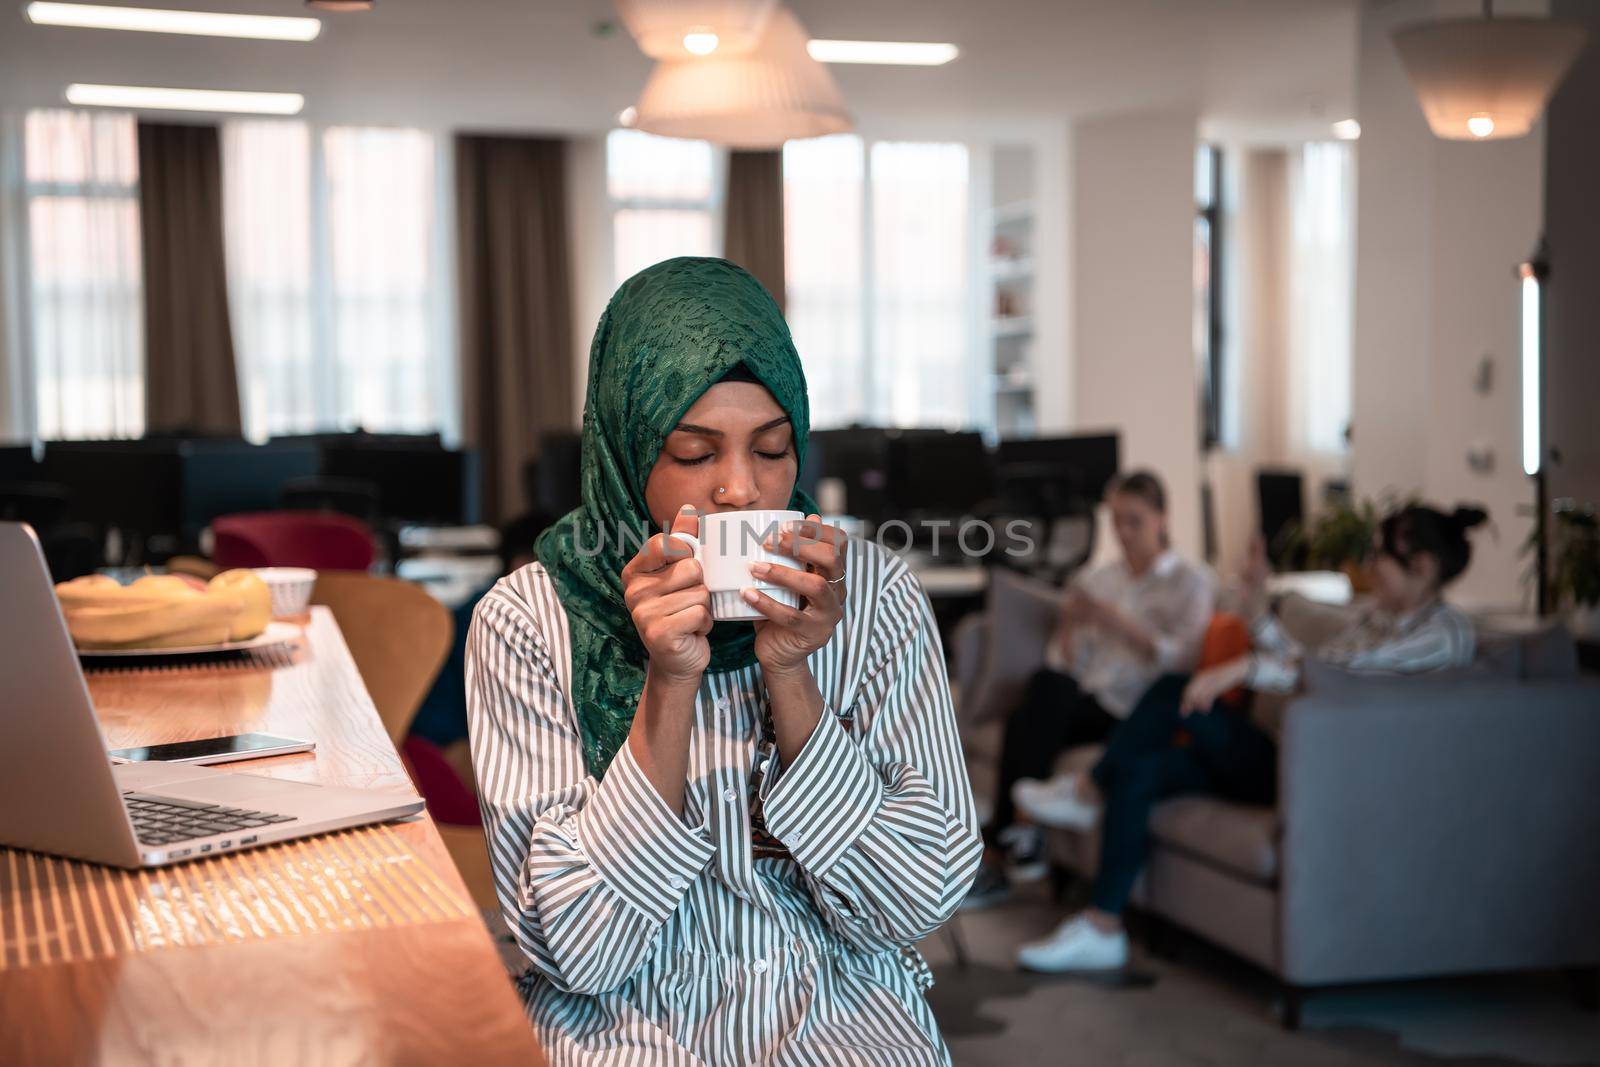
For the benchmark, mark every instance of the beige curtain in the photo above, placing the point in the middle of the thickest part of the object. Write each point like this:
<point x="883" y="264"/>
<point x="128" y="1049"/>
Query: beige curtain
<point x="190" y="382"/>
<point x="753" y="230"/>
<point x="515" y="305"/>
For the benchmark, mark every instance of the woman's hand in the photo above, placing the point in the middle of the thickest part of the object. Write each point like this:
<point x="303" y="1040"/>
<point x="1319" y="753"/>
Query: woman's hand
<point x="666" y="594"/>
<point x="1208" y="687"/>
<point x="790" y="635"/>
<point x="1253" y="579"/>
<point x="1078" y="608"/>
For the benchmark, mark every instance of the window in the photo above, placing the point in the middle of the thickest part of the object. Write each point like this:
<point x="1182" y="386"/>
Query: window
<point x="84" y="299"/>
<point x="663" y="199"/>
<point x="823" y="265"/>
<point x="877" y="262"/>
<point x="1207" y="317"/>
<point x="1321" y="265"/>
<point x="338" y="278"/>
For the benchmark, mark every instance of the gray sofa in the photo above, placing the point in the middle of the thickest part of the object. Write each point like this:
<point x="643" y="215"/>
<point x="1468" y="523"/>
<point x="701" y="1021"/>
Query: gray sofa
<point x="1425" y="826"/>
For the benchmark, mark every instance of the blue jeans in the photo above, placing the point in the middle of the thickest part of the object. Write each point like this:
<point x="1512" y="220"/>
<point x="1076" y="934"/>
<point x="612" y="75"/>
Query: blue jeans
<point x="1227" y="755"/>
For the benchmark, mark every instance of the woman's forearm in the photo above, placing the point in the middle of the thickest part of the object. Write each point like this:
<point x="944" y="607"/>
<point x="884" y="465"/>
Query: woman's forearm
<point x="659" y="739"/>
<point x="1129" y="631"/>
<point x="796" y="708"/>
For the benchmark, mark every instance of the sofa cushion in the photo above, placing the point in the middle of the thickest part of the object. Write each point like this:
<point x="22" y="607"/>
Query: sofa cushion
<point x="1311" y="623"/>
<point x="1540" y="649"/>
<point x="1240" y="838"/>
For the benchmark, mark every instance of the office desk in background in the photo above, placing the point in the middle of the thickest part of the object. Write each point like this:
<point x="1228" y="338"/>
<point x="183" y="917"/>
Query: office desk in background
<point x="356" y="947"/>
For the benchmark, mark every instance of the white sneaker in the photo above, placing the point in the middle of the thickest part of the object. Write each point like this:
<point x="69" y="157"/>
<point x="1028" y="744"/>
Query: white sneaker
<point x="1055" y="803"/>
<point x="1076" y="945"/>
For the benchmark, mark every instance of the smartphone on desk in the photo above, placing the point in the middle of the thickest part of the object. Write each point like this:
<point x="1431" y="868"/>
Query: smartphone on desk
<point x="214" y="749"/>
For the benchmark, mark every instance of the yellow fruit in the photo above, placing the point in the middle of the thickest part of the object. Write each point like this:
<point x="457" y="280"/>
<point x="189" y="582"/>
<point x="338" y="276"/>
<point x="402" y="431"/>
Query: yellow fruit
<point x="135" y="621"/>
<point x="255" y="601"/>
<point x="163" y="611"/>
<point x="163" y="585"/>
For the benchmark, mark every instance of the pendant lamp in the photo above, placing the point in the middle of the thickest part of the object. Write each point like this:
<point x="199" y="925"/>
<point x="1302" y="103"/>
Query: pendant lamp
<point x="1487" y="79"/>
<point x="773" y="94"/>
<point x="681" y="29"/>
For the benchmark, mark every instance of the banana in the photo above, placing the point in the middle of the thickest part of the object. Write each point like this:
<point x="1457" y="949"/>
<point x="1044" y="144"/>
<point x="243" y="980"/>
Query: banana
<point x="102" y="614"/>
<point x="255" y="601"/>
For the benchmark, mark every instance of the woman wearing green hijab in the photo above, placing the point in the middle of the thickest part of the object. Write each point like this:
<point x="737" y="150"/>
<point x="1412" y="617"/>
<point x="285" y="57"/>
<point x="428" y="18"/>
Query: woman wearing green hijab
<point x="715" y="843"/>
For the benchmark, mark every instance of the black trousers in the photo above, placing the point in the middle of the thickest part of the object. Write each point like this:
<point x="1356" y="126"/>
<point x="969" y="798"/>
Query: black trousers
<point x="1225" y="754"/>
<point x="1054" y="715"/>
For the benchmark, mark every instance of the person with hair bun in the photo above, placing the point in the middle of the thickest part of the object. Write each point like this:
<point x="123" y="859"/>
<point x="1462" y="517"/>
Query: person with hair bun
<point x="1180" y="739"/>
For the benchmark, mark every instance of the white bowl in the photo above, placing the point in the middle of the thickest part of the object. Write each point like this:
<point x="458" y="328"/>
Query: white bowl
<point x="290" y="588"/>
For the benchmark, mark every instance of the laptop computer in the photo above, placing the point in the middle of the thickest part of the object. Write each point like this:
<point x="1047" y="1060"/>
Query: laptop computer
<point x="59" y="790"/>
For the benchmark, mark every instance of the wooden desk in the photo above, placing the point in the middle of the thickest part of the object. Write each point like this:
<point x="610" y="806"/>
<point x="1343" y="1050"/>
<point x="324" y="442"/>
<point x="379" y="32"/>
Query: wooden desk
<point x="359" y="947"/>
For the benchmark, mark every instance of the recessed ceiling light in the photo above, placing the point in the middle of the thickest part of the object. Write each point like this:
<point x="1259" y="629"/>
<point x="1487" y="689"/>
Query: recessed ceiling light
<point x="141" y="96"/>
<point x="1347" y="130"/>
<point x="156" y="20"/>
<point x="898" y="53"/>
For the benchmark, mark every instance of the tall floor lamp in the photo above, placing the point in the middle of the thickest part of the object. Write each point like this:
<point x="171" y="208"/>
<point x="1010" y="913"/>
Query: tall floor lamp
<point x="1534" y="273"/>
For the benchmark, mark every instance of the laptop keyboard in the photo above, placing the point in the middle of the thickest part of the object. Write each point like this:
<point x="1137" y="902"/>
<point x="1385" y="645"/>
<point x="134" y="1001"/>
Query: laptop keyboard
<point x="164" y="820"/>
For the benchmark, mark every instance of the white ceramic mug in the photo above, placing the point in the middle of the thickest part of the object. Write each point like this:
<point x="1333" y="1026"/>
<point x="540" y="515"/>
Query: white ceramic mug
<point x="730" y="541"/>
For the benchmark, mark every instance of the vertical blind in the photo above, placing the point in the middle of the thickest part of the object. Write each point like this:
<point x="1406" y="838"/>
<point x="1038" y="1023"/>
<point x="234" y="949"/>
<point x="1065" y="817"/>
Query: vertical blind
<point x="338" y="283"/>
<point x="878" y="271"/>
<point x="1321" y="279"/>
<point x="83" y="319"/>
<point x="663" y="196"/>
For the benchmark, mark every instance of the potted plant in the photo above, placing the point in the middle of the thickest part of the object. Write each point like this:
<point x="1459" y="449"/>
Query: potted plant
<point x="1575" y="565"/>
<point x="1338" y="538"/>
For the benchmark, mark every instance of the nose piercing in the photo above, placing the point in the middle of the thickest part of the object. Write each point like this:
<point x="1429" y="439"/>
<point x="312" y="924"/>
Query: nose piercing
<point x="720" y="491"/>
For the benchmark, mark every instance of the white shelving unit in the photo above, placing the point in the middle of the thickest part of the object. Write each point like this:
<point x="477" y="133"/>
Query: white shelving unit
<point x="1011" y="235"/>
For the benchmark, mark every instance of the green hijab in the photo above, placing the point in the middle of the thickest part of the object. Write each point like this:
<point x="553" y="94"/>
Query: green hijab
<point x="669" y="334"/>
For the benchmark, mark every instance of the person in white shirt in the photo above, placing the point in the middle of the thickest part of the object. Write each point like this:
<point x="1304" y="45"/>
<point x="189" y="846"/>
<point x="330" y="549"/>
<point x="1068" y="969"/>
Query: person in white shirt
<point x="1180" y="739"/>
<point x="1121" y="626"/>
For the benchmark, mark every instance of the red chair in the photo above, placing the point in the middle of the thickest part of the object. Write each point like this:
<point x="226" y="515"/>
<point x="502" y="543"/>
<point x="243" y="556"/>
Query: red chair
<point x="322" y="540"/>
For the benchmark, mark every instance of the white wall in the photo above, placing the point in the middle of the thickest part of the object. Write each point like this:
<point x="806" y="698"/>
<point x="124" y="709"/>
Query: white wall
<point x="1132" y="240"/>
<point x="1440" y="228"/>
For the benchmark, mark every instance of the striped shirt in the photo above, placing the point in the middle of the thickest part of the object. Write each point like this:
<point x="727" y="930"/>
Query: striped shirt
<point x="655" y="939"/>
<point x="1434" y="637"/>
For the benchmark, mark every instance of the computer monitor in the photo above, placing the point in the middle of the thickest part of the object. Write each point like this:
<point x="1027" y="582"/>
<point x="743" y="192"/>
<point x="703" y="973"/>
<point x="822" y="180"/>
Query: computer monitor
<point x="1055" y="475"/>
<point x="133" y="486"/>
<point x="224" y="477"/>
<point x="161" y="492"/>
<point x="939" y="472"/>
<point x="554" y="479"/>
<point x="1280" y="496"/>
<point x="416" y="483"/>
<point x="858" y="456"/>
<point x="361" y="438"/>
<point x="18" y="465"/>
